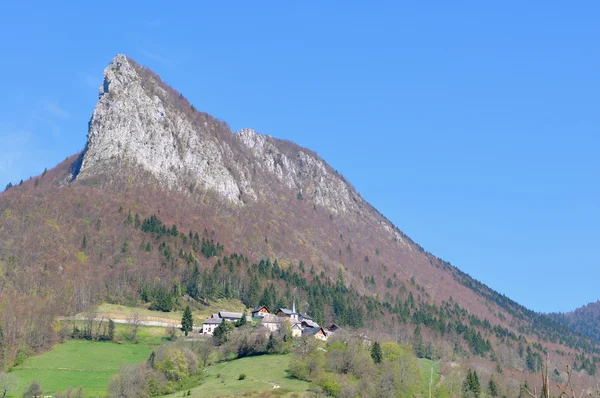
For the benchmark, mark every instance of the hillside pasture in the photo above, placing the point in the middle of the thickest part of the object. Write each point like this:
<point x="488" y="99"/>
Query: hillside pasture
<point x="79" y="363"/>
<point x="262" y="374"/>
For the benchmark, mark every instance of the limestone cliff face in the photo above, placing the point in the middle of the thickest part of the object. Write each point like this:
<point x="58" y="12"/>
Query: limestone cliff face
<point x="299" y="171"/>
<point x="131" y="126"/>
<point x="139" y="121"/>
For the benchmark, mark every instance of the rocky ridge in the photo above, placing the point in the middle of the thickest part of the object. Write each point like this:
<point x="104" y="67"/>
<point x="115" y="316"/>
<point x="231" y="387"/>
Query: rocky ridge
<point x="137" y="121"/>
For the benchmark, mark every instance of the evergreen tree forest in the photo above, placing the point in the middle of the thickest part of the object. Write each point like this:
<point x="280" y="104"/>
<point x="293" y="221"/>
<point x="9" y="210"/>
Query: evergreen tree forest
<point x="328" y="300"/>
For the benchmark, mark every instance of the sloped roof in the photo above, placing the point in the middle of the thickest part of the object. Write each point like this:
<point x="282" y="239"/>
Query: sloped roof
<point x="225" y="314"/>
<point x="213" y="321"/>
<point x="333" y="327"/>
<point x="313" y="331"/>
<point x="285" y="311"/>
<point x="259" y="308"/>
<point x="310" y="323"/>
<point x="278" y="319"/>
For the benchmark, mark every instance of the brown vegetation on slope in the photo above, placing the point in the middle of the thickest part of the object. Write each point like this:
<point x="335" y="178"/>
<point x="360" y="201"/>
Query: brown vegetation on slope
<point x="64" y="247"/>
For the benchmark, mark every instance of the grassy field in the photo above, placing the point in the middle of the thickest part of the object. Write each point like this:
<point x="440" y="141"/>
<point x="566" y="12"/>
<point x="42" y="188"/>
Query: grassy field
<point x="426" y="365"/>
<point x="263" y="373"/>
<point x="148" y="335"/>
<point x="79" y="363"/>
<point x="116" y="311"/>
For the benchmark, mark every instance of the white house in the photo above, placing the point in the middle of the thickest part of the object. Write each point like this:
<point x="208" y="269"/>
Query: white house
<point x="275" y="323"/>
<point x="296" y="330"/>
<point x="209" y="326"/>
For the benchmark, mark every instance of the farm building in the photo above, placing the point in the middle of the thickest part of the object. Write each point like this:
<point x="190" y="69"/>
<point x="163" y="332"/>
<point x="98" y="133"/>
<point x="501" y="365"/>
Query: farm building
<point x="260" y="312"/>
<point x="209" y="326"/>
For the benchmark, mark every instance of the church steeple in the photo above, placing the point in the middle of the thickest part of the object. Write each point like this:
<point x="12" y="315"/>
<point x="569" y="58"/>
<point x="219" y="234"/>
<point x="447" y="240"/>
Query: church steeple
<point x="294" y="306"/>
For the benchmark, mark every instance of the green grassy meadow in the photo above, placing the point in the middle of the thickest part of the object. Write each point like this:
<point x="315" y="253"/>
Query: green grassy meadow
<point x="426" y="365"/>
<point x="200" y="315"/>
<point x="263" y="373"/>
<point x="79" y="363"/>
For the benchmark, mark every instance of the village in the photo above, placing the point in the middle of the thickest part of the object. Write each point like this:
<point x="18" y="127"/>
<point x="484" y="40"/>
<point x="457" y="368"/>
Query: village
<point x="300" y="323"/>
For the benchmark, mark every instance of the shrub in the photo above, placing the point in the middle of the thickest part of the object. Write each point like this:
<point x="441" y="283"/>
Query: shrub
<point x="174" y="366"/>
<point x="242" y="376"/>
<point x="34" y="390"/>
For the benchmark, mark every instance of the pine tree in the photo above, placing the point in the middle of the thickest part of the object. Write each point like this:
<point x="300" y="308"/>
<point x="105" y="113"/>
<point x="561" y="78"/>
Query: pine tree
<point x="376" y="353"/>
<point x="471" y="386"/>
<point x="492" y="388"/>
<point x="111" y="329"/>
<point x="187" y="322"/>
<point x="242" y="321"/>
<point x="129" y="219"/>
<point x="221" y="333"/>
<point x="418" y="342"/>
<point x="271" y="344"/>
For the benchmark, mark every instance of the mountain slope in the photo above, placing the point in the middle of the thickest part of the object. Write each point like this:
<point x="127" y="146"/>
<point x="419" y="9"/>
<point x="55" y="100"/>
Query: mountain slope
<point x="83" y="232"/>
<point x="585" y="320"/>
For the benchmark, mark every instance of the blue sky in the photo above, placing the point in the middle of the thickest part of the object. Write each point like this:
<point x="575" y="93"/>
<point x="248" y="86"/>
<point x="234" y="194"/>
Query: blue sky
<point x="473" y="126"/>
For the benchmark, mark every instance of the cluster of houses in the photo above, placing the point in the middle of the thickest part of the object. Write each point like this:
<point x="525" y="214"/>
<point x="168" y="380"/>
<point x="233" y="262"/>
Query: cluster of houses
<point x="301" y="324"/>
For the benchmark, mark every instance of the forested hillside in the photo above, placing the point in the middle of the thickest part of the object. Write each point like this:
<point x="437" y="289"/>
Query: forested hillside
<point x="166" y="205"/>
<point x="585" y="320"/>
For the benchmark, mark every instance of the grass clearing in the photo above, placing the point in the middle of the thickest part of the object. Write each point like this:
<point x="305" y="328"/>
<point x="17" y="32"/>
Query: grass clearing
<point x="116" y="311"/>
<point x="426" y="365"/>
<point x="78" y="363"/>
<point x="148" y="335"/>
<point x="262" y="374"/>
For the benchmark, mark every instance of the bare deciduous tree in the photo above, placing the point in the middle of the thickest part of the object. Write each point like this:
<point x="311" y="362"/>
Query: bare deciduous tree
<point x="129" y="383"/>
<point x="8" y="383"/>
<point x="204" y="351"/>
<point x="134" y="321"/>
<point x="567" y="390"/>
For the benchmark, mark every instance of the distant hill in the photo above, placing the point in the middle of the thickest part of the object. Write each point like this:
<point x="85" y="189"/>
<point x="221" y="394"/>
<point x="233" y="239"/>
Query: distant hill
<point x="585" y="320"/>
<point x="166" y="203"/>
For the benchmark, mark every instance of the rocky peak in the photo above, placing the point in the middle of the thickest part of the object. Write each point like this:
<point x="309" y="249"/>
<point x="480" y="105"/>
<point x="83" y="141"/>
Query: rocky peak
<point x="117" y="75"/>
<point x="135" y="123"/>
<point x="139" y="123"/>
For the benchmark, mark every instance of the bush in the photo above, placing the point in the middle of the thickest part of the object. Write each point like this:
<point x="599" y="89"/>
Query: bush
<point x="174" y="366"/>
<point x="330" y="385"/>
<point x="139" y="381"/>
<point x="34" y="390"/>
<point x="71" y="393"/>
<point x="242" y="376"/>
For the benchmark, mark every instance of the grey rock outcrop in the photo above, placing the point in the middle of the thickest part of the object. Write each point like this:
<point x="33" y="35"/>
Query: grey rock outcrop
<point x="131" y="126"/>
<point x="138" y="122"/>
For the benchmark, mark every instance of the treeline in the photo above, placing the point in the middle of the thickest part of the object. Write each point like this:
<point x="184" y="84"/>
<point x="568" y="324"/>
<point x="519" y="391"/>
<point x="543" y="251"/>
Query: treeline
<point x="233" y="276"/>
<point x="543" y="326"/>
<point x="267" y="282"/>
